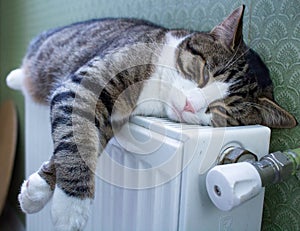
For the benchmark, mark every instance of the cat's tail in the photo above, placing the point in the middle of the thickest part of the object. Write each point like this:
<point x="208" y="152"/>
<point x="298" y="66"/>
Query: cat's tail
<point x="15" y="79"/>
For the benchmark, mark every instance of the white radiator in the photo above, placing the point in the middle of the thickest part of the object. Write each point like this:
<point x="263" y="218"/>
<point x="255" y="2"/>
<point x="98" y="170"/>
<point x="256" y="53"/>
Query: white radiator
<point x="152" y="176"/>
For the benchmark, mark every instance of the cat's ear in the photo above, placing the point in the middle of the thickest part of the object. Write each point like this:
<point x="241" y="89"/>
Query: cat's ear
<point x="274" y="116"/>
<point x="230" y="31"/>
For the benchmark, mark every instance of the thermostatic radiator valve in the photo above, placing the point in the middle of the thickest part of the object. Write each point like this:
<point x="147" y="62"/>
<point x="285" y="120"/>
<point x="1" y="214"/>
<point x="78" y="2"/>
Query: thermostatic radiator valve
<point x="241" y="177"/>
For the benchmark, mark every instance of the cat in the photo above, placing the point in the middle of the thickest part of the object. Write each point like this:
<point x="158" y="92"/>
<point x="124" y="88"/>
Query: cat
<point x="95" y="74"/>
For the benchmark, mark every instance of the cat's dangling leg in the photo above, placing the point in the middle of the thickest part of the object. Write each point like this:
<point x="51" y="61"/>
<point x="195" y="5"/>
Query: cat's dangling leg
<point x="37" y="190"/>
<point x="76" y="148"/>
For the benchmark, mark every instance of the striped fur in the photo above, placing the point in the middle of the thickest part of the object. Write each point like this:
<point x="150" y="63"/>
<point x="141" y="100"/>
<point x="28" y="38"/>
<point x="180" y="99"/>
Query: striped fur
<point x="95" y="74"/>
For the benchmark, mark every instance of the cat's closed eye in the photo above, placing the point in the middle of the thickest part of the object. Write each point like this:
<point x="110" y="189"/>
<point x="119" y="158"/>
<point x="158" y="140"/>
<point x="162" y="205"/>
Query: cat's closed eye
<point x="205" y="75"/>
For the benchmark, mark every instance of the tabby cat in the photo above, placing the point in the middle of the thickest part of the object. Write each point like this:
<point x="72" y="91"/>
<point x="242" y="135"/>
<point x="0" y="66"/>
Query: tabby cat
<point x="94" y="75"/>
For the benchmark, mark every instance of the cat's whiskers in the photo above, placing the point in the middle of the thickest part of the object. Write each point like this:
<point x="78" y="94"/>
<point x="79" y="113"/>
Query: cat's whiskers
<point x="231" y="61"/>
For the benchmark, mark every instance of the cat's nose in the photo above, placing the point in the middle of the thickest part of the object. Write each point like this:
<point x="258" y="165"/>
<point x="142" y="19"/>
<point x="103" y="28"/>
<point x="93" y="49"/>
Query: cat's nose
<point x="189" y="107"/>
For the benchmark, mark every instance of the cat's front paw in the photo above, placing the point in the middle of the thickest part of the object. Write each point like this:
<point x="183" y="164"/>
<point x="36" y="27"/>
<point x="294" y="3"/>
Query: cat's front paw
<point x="69" y="213"/>
<point x="35" y="193"/>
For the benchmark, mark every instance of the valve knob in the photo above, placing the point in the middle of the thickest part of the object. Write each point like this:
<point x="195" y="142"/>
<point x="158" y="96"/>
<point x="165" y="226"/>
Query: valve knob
<point x="230" y="185"/>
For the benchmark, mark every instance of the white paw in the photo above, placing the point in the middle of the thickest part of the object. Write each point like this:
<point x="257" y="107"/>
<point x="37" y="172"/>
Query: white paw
<point x="35" y="193"/>
<point x="69" y="213"/>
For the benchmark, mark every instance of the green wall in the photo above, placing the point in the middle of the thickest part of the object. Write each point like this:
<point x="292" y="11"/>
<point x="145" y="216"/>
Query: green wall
<point x="271" y="27"/>
<point x="11" y="49"/>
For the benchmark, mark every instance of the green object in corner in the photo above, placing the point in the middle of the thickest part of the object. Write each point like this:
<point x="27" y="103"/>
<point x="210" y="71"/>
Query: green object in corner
<point x="294" y="156"/>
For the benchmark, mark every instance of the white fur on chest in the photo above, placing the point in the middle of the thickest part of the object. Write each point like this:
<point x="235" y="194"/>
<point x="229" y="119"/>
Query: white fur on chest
<point x="153" y="98"/>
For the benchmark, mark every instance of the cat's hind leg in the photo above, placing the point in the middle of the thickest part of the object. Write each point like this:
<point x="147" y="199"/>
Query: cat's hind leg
<point x="69" y="213"/>
<point x="74" y="191"/>
<point x="76" y="148"/>
<point x="37" y="190"/>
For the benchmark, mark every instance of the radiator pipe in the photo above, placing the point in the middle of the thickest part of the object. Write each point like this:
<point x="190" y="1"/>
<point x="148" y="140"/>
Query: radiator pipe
<point x="232" y="184"/>
<point x="278" y="166"/>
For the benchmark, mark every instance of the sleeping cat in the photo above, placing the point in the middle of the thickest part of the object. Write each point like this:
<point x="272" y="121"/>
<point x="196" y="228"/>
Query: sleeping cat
<point x="94" y="75"/>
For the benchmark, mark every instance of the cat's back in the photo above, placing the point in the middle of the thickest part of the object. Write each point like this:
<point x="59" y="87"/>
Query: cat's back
<point x="57" y="53"/>
<point x="95" y="32"/>
<point x="90" y="38"/>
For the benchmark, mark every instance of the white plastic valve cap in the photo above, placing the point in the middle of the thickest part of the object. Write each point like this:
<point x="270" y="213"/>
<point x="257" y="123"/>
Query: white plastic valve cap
<point x="232" y="184"/>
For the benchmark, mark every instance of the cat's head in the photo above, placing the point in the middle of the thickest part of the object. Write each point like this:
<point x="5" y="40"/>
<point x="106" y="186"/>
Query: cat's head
<point x="232" y="78"/>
